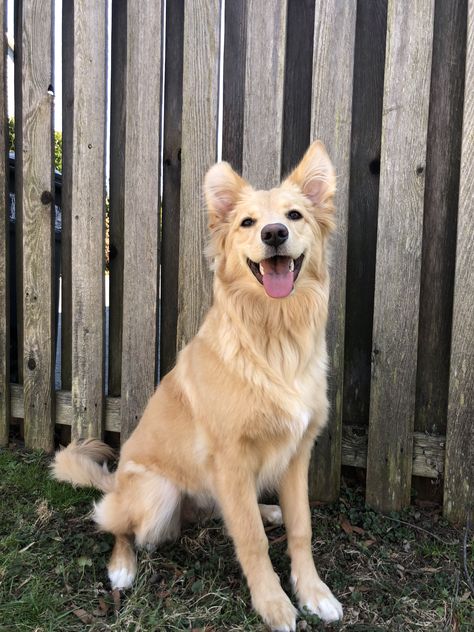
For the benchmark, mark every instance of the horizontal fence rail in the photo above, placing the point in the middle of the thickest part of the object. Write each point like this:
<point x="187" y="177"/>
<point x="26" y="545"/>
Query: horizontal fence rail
<point x="386" y="85"/>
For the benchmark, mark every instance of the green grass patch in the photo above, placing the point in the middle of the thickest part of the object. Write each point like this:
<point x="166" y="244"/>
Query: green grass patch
<point x="401" y="572"/>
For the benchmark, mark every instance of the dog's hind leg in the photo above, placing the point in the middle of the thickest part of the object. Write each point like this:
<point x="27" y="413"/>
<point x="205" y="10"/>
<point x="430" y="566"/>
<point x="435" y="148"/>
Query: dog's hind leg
<point x="122" y="566"/>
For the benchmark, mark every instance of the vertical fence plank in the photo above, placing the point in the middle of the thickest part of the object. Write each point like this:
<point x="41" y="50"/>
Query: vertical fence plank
<point x="264" y="81"/>
<point x="66" y="210"/>
<point x="234" y="82"/>
<point x="298" y="78"/>
<point x="459" y="464"/>
<point x="171" y="182"/>
<point x="118" y="103"/>
<point x="440" y="214"/>
<point x="141" y="156"/>
<point x="369" y="62"/>
<point x="87" y="223"/>
<point x="334" y="36"/>
<point x="34" y="183"/>
<point x="4" y="236"/>
<point x="400" y="223"/>
<point x="199" y="132"/>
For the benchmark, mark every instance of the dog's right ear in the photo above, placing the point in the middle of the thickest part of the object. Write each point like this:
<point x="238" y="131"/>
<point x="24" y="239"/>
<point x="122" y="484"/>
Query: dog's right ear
<point x="222" y="188"/>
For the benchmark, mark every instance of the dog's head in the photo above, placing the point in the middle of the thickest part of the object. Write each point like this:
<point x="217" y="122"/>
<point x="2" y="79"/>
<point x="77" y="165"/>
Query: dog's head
<point x="271" y="241"/>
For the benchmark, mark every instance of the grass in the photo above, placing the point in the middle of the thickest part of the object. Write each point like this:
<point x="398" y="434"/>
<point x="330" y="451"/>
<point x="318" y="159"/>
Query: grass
<point x="402" y="572"/>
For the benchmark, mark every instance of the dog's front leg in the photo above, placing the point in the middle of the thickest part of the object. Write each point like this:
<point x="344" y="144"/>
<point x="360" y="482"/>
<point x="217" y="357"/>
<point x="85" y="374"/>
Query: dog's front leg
<point x="236" y="492"/>
<point x="311" y="591"/>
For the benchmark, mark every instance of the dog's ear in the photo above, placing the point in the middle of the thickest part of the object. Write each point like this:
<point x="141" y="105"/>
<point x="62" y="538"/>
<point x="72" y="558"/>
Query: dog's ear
<point x="316" y="178"/>
<point x="222" y="188"/>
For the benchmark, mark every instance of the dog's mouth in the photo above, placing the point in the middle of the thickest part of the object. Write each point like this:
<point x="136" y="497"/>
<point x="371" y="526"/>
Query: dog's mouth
<point x="277" y="274"/>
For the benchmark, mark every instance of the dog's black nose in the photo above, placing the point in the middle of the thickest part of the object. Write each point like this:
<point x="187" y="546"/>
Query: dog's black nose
<point x="274" y="234"/>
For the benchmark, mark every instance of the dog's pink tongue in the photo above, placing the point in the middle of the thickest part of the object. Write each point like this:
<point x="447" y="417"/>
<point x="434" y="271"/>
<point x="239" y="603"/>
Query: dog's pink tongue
<point x="277" y="278"/>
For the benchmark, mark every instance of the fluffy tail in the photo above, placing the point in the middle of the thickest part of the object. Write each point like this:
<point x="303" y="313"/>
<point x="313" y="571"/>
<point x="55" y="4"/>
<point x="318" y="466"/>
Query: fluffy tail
<point x="80" y="464"/>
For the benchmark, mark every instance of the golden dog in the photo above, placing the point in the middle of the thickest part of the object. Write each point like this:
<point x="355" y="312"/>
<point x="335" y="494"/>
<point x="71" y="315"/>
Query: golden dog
<point x="241" y="409"/>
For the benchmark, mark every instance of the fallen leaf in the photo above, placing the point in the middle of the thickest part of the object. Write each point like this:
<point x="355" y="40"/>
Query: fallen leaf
<point x="83" y="615"/>
<point x="348" y="528"/>
<point x="369" y="542"/>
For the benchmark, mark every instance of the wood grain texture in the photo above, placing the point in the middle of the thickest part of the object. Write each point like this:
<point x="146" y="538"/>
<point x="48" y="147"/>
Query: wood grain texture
<point x="334" y="36"/>
<point x="199" y="148"/>
<point x="141" y="199"/>
<point x="118" y="102"/>
<point x="298" y="78"/>
<point x="66" y="208"/>
<point x="440" y="214"/>
<point x="173" y="107"/>
<point x="369" y="62"/>
<point x="400" y="224"/>
<point x="4" y="250"/>
<point x="264" y="81"/>
<point x="35" y="186"/>
<point x="234" y="82"/>
<point x="459" y="466"/>
<point x="428" y="451"/>
<point x="87" y="225"/>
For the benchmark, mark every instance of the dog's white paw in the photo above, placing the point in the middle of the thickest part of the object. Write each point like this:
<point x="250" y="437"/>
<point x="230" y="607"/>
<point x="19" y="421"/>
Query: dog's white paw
<point x="271" y="514"/>
<point x="121" y="577"/>
<point x="276" y="610"/>
<point x="328" y="609"/>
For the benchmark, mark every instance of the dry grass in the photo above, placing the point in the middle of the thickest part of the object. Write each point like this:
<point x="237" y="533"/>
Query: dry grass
<point x="401" y="572"/>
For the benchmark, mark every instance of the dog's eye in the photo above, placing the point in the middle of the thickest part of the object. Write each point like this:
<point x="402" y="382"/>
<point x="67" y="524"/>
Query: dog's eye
<point x="294" y="215"/>
<point x="248" y="221"/>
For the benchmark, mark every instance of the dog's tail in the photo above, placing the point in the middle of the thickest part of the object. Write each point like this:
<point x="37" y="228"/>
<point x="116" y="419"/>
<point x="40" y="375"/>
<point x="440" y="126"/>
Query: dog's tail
<point x="84" y="464"/>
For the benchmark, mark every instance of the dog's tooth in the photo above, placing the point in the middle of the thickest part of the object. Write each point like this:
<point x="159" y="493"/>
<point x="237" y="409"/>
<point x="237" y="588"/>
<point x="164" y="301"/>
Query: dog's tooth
<point x="291" y="265"/>
<point x="262" y="271"/>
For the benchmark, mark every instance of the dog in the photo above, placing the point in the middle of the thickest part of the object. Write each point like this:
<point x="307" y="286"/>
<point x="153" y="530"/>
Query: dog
<point x="240" y="411"/>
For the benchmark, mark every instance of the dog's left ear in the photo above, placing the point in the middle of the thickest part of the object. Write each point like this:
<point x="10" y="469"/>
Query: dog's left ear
<point x="222" y="189"/>
<point x="316" y="178"/>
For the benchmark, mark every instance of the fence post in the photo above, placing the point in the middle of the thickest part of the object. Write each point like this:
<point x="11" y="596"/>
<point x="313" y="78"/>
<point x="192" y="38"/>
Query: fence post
<point x="4" y="236"/>
<point x="87" y="188"/>
<point x="35" y="205"/>
<point x="400" y="225"/>
<point x="173" y="108"/>
<point x="459" y="462"/>
<point x="138" y="157"/>
<point x="263" y="101"/>
<point x="334" y="37"/>
<point x="199" y="150"/>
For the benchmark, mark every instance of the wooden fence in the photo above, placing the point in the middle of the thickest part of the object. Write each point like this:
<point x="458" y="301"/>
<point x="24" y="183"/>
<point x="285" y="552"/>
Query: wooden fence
<point x="387" y="85"/>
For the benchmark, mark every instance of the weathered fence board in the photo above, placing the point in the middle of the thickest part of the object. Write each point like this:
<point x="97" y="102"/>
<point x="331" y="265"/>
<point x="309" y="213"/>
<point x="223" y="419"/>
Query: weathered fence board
<point x="293" y="71"/>
<point x="34" y="219"/>
<point x="199" y="151"/>
<point x="234" y="82"/>
<point x="440" y="214"/>
<point x="4" y="251"/>
<point x="298" y="73"/>
<point x="66" y="191"/>
<point x="141" y="198"/>
<point x="171" y="182"/>
<point x="87" y="222"/>
<point x="263" y="104"/>
<point x="334" y="37"/>
<point x="118" y="111"/>
<point x="459" y="466"/>
<point x="369" y="62"/>
<point x="400" y="223"/>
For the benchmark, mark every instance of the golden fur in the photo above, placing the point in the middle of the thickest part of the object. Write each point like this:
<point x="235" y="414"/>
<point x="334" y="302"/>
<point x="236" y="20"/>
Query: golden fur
<point x="240" y="411"/>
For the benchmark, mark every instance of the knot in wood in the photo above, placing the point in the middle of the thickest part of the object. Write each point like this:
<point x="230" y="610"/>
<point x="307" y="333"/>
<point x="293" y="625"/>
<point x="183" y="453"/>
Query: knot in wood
<point x="46" y="197"/>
